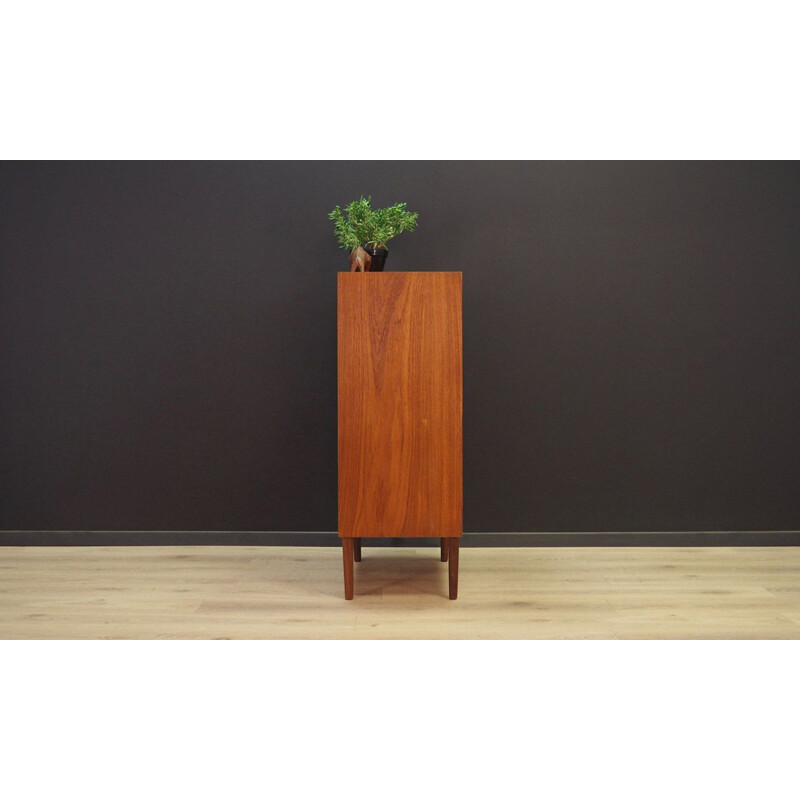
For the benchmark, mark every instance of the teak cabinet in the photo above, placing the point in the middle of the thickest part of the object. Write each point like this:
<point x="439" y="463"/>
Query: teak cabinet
<point x="400" y="406"/>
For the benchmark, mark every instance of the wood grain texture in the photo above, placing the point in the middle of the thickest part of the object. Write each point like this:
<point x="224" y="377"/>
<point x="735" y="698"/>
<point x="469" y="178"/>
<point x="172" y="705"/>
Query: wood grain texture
<point x="296" y="593"/>
<point x="400" y="404"/>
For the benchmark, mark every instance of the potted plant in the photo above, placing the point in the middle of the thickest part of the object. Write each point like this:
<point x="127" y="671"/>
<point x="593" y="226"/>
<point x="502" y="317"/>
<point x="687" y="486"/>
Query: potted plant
<point x="365" y="231"/>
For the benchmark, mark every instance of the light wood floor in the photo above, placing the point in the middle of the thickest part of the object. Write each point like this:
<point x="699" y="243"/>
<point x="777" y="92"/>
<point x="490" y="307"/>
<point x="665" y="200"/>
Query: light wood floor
<point x="401" y="593"/>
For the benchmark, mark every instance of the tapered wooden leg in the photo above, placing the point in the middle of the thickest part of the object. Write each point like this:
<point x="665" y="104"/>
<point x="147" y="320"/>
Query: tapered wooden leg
<point x="452" y="567"/>
<point x="357" y="548"/>
<point x="347" y="555"/>
<point x="444" y="549"/>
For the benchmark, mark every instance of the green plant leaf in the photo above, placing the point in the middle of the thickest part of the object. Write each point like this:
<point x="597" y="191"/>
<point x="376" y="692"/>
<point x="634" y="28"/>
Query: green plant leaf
<point x="359" y="223"/>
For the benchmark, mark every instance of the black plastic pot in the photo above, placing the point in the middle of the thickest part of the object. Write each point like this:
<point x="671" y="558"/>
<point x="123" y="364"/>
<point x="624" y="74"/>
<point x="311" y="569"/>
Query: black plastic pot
<point x="378" y="255"/>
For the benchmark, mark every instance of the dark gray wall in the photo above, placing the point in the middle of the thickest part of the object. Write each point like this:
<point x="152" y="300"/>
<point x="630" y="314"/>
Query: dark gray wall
<point x="631" y="340"/>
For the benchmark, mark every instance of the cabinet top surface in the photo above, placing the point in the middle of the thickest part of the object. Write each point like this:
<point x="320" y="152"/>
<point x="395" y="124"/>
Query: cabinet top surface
<point x="405" y="272"/>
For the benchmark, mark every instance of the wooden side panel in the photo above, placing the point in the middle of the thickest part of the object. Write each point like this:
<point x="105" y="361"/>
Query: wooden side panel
<point x="400" y="401"/>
